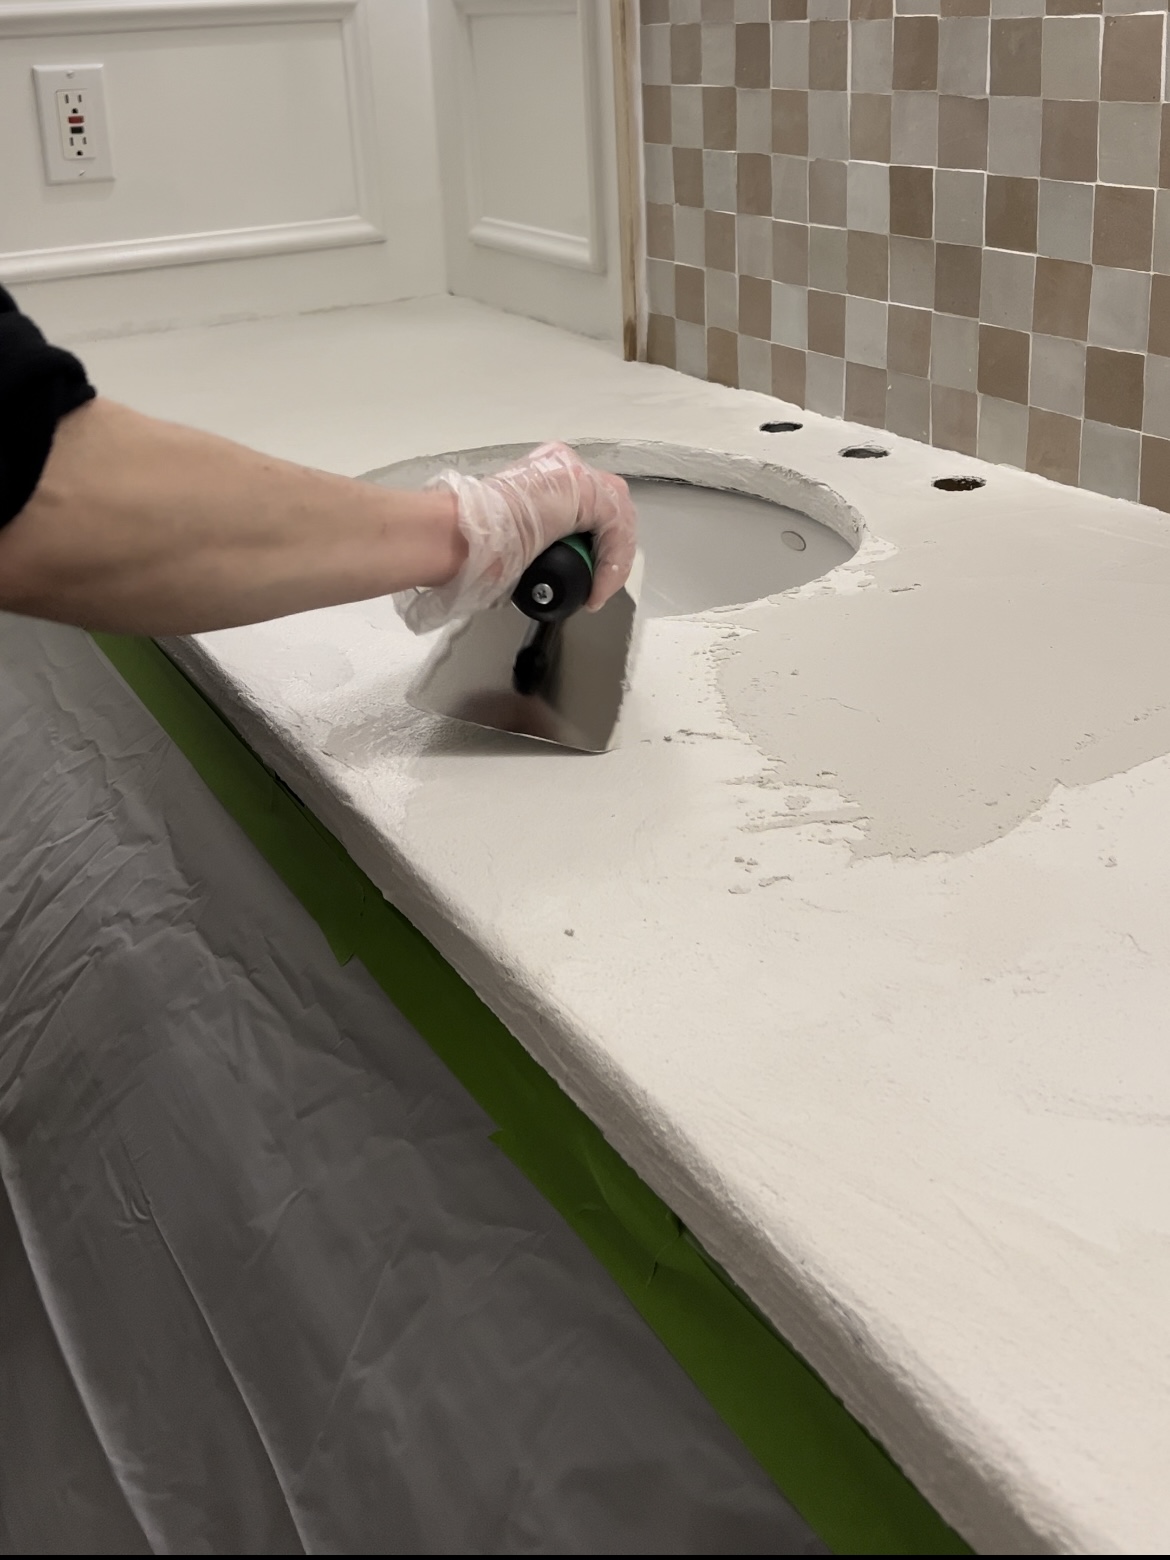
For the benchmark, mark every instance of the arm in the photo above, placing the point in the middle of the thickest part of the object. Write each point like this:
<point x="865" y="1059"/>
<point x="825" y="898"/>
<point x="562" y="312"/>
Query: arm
<point x="140" y="526"/>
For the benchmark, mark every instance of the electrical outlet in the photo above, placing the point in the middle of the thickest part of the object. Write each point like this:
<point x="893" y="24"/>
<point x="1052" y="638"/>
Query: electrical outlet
<point x="75" y="136"/>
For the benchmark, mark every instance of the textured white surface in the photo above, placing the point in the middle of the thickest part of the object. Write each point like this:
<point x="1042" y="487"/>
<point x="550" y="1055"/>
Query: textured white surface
<point x="888" y="1031"/>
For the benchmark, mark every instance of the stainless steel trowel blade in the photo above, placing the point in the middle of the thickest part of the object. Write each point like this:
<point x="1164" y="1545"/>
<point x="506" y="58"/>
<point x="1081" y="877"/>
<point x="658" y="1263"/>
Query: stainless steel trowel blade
<point x="578" y="687"/>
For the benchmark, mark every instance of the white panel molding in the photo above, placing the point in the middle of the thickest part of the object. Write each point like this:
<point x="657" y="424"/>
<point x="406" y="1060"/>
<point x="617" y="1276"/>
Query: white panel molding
<point x="84" y="17"/>
<point x="581" y="251"/>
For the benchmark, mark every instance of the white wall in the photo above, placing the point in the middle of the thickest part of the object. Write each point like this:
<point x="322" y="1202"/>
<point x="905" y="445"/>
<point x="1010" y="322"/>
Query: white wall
<point x="525" y="111"/>
<point x="270" y="156"/>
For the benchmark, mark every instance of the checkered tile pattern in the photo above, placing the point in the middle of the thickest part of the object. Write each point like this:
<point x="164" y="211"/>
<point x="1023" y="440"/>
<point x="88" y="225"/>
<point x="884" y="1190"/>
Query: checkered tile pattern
<point x="949" y="218"/>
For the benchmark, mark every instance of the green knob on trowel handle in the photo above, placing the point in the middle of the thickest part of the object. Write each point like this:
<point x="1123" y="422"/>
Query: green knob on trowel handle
<point x="558" y="583"/>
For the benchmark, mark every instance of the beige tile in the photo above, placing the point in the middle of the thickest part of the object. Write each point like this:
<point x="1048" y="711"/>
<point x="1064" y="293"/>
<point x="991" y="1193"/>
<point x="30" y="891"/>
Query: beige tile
<point x="719" y="237"/>
<point x="688" y="175"/>
<point x="660" y="286"/>
<point x="1159" y="336"/>
<point x="790" y="54"/>
<point x="753" y="245"/>
<point x="789" y="314"/>
<point x="908" y="340"/>
<point x="954" y="419"/>
<point x="1058" y="375"/>
<point x="789" y="10"/>
<point x="1110" y="460"/>
<point x="1061" y="304"/>
<point x="1004" y="363"/>
<point x="1162" y="231"/>
<point x="656" y="123"/>
<point x="908" y="406"/>
<point x="826" y="323"/>
<point x="963" y="56"/>
<point x="869" y="126"/>
<point x="1155" y="483"/>
<point x="867" y="10"/>
<point x="1008" y="283"/>
<point x="753" y="56"/>
<point x="828" y="56"/>
<point x="1123" y="227"/>
<point x="872" y="56"/>
<point x="690" y="246"/>
<point x="962" y="132"/>
<point x="912" y="270"/>
<point x="755" y="307"/>
<point x="1071" y="60"/>
<point x="827" y="193"/>
<point x="965" y="7"/>
<point x="1068" y="144"/>
<point x="686" y="53"/>
<point x="915" y="53"/>
<point x="1003" y="431"/>
<point x="1065" y="220"/>
<point x="865" y="394"/>
<point x="958" y="206"/>
<point x="1114" y="387"/>
<point x="825" y="384"/>
<point x="868" y="265"/>
<point x="912" y="201"/>
<point x="719" y="118"/>
<point x="865" y="331"/>
<point x="914" y="128"/>
<point x="723" y="300"/>
<point x="659" y="231"/>
<point x="754" y="184"/>
<point x="790" y="252"/>
<point x="1131" y="59"/>
<point x="788" y="378"/>
<point x="954" y="352"/>
<point x="1015" y="56"/>
<point x="790" y="123"/>
<point x="722" y="357"/>
<point x="1129" y="143"/>
<point x="790" y="188"/>
<point x="1054" y="445"/>
<point x="957" y="279"/>
<point x="755" y="365"/>
<point x="1074" y="7"/>
<point x="1164" y="167"/>
<point x="1011" y="212"/>
<point x="1119" y="309"/>
<point x="1014" y="130"/>
<point x="1156" y="412"/>
<point x="690" y="294"/>
<point x="660" y="340"/>
<point x="827" y="258"/>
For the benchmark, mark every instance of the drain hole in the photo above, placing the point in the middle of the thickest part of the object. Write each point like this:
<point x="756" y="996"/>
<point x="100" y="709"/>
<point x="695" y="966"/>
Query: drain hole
<point x="781" y="427"/>
<point x="864" y="452"/>
<point x="960" y="484"/>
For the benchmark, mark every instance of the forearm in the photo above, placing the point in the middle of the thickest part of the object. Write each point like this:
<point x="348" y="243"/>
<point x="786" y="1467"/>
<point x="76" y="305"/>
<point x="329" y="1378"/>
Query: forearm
<point x="140" y="526"/>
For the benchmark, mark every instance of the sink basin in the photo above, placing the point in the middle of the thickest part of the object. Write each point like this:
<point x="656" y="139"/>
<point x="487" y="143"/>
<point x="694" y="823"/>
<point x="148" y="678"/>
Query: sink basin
<point x="715" y="530"/>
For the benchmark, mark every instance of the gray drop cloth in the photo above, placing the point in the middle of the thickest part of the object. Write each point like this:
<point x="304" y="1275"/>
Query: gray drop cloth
<point x="265" y="1285"/>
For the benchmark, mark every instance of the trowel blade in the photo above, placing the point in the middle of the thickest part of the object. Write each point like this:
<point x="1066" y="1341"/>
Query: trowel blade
<point x="576" y="699"/>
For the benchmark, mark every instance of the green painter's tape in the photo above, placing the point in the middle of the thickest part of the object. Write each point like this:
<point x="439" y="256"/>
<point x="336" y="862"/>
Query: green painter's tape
<point x="835" y="1474"/>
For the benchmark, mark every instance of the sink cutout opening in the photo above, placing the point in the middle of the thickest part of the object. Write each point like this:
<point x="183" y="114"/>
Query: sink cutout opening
<point x="781" y="427"/>
<point x="959" y="484"/>
<point x="864" y="452"/>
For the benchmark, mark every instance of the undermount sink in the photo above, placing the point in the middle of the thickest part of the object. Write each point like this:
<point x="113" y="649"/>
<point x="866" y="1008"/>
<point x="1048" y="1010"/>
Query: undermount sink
<point x="715" y="529"/>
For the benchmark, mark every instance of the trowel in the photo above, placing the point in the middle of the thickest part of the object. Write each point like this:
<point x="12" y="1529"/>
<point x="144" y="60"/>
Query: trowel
<point x="538" y="665"/>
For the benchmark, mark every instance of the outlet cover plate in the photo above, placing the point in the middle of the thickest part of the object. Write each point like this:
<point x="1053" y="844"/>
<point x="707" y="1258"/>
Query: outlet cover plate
<point x="60" y="169"/>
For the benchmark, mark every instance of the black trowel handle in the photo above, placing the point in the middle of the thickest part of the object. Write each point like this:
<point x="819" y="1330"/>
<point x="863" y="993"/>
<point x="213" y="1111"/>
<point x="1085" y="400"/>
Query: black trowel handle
<point x="558" y="583"/>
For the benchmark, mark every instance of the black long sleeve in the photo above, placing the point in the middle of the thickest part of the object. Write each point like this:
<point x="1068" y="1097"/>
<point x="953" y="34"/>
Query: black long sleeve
<point x="39" y="384"/>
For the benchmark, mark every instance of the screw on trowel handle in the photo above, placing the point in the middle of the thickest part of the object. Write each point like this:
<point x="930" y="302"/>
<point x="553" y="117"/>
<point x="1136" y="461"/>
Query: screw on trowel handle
<point x="558" y="583"/>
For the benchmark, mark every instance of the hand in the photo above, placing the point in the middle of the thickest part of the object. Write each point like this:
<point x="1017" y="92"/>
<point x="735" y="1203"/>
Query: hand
<point x="510" y="518"/>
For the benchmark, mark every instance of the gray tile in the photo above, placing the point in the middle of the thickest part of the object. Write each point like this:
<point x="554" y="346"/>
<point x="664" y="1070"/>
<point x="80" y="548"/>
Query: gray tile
<point x="827" y="258"/>
<point x="958" y="206"/>
<point x="789" y="314"/>
<point x="1110" y="459"/>
<point x="723" y="300"/>
<point x="658" y="173"/>
<point x="912" y="272"/>
<point x="825" y="385"/>
<point x="686" y="115"/>
<point x="1065" y="220"/>
<point x="963" y="56"/>
<point x="790" y="188"/>
<point x="1119" y="309"/>
<point x="871" y="46"/>
<point x="790" y="54"/>
<point x="1071" y="58"/>
<point x="1007" y="283"/>
<point x="828" y="125"/>
<point x="753" y="119"/>
<point x="755" y="364"/>
<point x="1162" y="232"/>
<point x="1129" y="143"/>
<point x="1003" y="431"/>
<point x="690" y="349"/>
<point x="869" y="197"/>
<point x="753" y="245"/>
<point x="914" y="129"/>
<point x="686" y="10"/>
<point x="718" y="58"/>
<point x="908" y="406"/>
<point x="655" y="42"/>
<point x="954" y="352"/>
<point x="1017" y="7"/>
<point x="1157" y="409"/>
<point x="1058" y="375"/>
<point x="1013" y="136"/>
<point x="719" y="181"/>
<point x="690" y="246"/>
<point x="660" y="286"/>
<point x="828" y="10"/>
<point x="753" y="10"/>
<point x="865" y="331"/>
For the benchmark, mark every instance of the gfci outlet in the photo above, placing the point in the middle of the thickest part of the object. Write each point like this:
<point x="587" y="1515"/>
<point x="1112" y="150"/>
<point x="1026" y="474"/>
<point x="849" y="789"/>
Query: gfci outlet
<point x="75" y="135"/>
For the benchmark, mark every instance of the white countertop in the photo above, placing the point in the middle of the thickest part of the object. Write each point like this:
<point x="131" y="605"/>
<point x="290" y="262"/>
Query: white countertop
<point x="868" y="971"/>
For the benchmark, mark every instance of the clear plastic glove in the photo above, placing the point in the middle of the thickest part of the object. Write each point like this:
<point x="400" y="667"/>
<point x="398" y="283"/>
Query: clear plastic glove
<point x="510" y="518"/>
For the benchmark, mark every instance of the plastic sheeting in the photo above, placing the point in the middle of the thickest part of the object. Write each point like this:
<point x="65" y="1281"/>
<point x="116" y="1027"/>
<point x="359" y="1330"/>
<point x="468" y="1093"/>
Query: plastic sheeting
<point x="266" y="1286"/>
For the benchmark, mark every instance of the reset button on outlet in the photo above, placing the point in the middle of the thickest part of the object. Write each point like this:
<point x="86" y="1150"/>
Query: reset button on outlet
<point x="75" y="137"/>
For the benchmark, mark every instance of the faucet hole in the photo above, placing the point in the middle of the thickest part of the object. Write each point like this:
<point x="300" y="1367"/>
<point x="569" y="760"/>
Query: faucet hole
<point x="781" y="427"/>
<point x="959" y="484"/>
<point x="864" y="452"/>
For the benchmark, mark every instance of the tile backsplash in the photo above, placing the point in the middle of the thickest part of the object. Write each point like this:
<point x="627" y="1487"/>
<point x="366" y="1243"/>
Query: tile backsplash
<point x="948" y="218"/>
